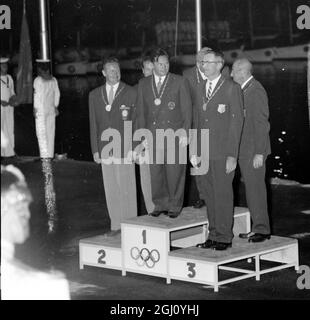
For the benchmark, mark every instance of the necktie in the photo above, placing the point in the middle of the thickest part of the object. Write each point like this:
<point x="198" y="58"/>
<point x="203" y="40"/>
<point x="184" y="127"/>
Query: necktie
<point x="209" y="90"/>
<point x="111" y="95"/>
<point x="159" y="85"/>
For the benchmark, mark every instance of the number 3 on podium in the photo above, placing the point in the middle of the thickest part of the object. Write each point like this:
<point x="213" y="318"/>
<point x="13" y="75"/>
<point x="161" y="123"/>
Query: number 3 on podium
<point x="191" y="269"/>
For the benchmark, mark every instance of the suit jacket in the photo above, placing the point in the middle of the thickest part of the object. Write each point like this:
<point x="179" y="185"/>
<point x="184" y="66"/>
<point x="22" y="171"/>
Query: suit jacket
<point x="193" y="78"/>
<point x="223" y="117"/>
<point x="175" y="110"/>
<point x="255" y="134"/>
<point x="100" y="119"/>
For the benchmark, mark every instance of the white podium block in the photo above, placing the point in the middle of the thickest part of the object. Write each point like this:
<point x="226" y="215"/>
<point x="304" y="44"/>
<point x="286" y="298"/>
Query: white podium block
<point x="191" y="236"/>
<point x="101" y="251"/>
<point x="203" y="265"/>
<point x="146" y="241"/>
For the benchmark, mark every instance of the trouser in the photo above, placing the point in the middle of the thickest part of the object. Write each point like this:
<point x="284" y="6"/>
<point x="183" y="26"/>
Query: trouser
<point x="145" y="177"/>
<point x="7" y="128"/>
<point x="45" y="130"/>
<point x="120" y="191"/>
<point x="199" y="184"/>
<point x="218" y="195"/>
<point x="256" y="194"/>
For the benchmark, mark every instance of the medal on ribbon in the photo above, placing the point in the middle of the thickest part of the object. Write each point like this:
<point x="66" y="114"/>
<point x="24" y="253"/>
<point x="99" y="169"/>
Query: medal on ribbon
<point x="206" y="100"/>
<point x="108" y="106"/>
<point x="157" y="100"/>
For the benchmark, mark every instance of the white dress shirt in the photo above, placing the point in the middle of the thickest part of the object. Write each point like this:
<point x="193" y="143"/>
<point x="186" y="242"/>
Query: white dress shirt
<point x="162" y="78"/>
<point x="108" y="86"/>
<point x="214" y="83"/>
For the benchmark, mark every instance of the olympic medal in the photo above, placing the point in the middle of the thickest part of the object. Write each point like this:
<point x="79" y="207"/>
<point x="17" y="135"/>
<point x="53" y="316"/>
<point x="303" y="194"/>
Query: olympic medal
<point x="204" y="107"/>
<point x="108" y="107"/>
<point x="157" y="101"/>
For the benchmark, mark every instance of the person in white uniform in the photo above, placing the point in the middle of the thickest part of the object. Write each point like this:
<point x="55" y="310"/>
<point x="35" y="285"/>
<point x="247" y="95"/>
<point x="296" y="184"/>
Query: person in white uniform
<point x="7" y="109"/>
<point x="46" y="101"/>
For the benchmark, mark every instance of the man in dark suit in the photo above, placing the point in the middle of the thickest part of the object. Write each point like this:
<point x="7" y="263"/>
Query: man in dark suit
<point x="220" y="110"/>
<point x="110" y="110"/>
<point x="254" y="149"/>
<point x="164" y="103"/>
<point x="145" y="175"/>
<point x="195" y="76"/>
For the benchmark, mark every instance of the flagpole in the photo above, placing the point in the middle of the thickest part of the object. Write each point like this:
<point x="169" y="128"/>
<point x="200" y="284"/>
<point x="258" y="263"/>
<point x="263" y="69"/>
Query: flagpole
<point x="198" y="24"/>
<point x="43" y="31"/>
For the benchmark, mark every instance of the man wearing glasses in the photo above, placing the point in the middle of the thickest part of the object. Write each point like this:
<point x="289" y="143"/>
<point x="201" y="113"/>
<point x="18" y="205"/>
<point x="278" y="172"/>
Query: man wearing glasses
<point x="220" y="110"/>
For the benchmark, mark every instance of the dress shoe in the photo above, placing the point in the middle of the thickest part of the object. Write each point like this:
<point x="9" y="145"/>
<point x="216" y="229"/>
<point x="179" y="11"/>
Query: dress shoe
<point x="199" y="204"/>
<point x="157" y="213"/>
<point x="112" y="233"/>
<point x="259" y="237"/>
<point x="246" y="235"/>
<point x="207" y="244"/>
<point x="173" y="214"/>
<point x="220" y="246"/>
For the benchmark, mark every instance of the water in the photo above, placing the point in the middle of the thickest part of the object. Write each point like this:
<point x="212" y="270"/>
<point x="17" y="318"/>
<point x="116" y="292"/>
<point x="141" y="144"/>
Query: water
<point x="285" y="83"/>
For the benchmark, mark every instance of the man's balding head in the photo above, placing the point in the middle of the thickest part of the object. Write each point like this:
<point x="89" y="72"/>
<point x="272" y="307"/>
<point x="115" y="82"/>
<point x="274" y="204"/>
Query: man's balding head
<point x="241" y="70"/>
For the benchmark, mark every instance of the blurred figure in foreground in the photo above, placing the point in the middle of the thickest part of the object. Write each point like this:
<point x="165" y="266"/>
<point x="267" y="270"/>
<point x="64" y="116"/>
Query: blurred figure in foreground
<point x="19" y="281"/>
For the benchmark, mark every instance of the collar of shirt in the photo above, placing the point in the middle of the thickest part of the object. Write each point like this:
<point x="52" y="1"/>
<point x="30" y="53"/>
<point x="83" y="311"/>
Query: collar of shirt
<point x="203" y="76"/>
<point x="162" y="78"/>
<point x="108" y="86"/>
<point x="214" y="82"/>
<point x="245" y="83"/>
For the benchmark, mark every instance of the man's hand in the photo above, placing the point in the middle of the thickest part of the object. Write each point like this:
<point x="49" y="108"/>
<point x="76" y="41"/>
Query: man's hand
<point x="96" y="157"/>
<point x="258" y="161"/>
<point x="194" y="161"/>
<point x="183" y="141"/>
<point x="14" y="101"/>
<point x="4" y="103"/>
<point x="132" y="156"/>
<point x="231" y="164"/>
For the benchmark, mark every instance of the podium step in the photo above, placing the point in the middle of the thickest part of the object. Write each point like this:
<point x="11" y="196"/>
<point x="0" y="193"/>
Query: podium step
<point x="202" y="265"/>
<point x="101" y="251"/>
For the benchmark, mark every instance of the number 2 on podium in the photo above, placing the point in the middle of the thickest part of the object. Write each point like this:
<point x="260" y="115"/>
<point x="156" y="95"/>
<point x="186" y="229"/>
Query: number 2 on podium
<point x="101" y="257"/>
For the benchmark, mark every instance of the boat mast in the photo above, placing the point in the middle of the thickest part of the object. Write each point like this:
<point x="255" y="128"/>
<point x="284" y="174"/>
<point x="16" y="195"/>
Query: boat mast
<point x="176" y="29"/>
<point x="290" y="21"/>
<point x="251" y="23"/>
<point x="198" y="25"/>
<point x="43" y="31"/>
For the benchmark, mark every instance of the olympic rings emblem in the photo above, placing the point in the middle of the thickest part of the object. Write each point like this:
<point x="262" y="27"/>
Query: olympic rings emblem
<point x="145" y="256"/>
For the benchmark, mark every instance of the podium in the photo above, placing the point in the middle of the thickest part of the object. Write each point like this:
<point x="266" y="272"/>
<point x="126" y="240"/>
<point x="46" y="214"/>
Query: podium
<point x="165" y="247"/>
